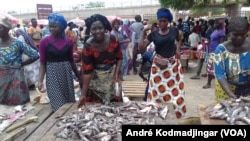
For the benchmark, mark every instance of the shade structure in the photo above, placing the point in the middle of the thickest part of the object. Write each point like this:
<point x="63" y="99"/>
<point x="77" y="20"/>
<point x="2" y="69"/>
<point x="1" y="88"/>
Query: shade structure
<point x="111" y="18"/>
<point x="13" y="19"/>
<point x="77" y="21"/>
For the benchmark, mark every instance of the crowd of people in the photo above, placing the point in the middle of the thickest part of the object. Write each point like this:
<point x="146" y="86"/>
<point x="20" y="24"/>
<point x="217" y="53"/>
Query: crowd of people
<point x="47" y="57"/>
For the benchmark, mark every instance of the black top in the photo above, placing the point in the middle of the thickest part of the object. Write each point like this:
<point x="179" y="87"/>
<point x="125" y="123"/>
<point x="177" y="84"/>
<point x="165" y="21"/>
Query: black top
<point x="165" y="44"/>
<point x="55" y="55"/>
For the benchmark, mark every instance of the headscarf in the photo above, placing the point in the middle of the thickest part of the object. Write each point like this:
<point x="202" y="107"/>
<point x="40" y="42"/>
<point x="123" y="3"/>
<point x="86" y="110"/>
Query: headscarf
<point x="6" y="22"/>
<point x="58" y="19"/>
<point x="164" y="13"/>
<point x="27" y="38"/>
<point x="93" y="18"/>
<point x="126" y="30"/>
<point x="126" y="22"/>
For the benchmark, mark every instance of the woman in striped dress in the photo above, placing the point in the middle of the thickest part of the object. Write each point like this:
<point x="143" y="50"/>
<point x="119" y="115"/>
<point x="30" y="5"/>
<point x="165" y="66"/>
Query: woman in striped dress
<point x="56" y="61"/>
<point x="166" y="83"/>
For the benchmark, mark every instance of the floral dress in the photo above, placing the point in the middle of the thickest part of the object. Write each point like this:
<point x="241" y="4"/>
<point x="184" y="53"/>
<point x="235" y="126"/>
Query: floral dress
<point x="13" y="85"/>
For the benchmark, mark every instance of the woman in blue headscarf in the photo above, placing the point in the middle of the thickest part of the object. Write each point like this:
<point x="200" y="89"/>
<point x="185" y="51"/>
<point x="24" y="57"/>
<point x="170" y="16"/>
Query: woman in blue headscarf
<point x="166" y="84"/>
<point x="56" y="60"/>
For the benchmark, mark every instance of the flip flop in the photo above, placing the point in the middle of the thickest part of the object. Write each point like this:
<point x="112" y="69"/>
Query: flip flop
<point x="195" y="77"/>
<point x="206" y="87"/>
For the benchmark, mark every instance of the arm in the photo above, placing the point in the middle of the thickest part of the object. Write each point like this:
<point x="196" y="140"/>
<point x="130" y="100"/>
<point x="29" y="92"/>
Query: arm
<point x="225" y="86"/>
<point x="29" y="61"/>
<point x="144" y="42"/>
<point x="41" y="75"/>
<point x="86" y="78"/>
<point x="74" y="68"/>
<point x="117" y="69"/>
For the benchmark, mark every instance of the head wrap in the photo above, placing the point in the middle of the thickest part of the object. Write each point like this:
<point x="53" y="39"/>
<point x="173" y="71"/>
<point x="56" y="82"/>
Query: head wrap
<point x="93" y="18"/>
<point x="58" y="19"/>
<point x="125" y="22"/>
<point x="164" y="13"/>
<point x="6" y="22"/>
<point x="27" y="38"/>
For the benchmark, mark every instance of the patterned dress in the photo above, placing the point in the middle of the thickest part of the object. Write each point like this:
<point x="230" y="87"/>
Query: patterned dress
<point x="101" y="64"/>
<point x="58" y="55"/>
<point x="13" y="85"/>
<point x="167" y="85"/>
<point x="235" y="68"/>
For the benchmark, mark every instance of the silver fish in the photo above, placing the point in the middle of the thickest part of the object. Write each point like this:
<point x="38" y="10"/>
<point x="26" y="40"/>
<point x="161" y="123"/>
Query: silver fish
<point x="164" y="112"/>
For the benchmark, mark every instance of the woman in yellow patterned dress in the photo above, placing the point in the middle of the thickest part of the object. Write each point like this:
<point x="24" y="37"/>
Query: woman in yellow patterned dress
<point x="231" y="62"/>
<point x="166" y="83"/>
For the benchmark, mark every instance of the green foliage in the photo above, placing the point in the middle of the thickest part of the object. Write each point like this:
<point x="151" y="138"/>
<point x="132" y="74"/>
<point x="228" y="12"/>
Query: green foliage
<point x="95" y="4"/>
<point x="196" y="4"/>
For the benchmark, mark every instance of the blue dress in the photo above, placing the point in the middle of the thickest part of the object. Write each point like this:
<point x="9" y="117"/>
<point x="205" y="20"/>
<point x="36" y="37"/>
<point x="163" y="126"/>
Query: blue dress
<point x="234" y="67"/>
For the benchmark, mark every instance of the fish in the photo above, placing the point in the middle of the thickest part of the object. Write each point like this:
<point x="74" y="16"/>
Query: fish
<point x="234" y="111"/>
<point x="164" y="112"/>
<point x="104" y="122"/>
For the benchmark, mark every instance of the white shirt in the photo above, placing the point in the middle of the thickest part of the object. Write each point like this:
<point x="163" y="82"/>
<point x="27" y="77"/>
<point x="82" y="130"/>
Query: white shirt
<point x="194" y="39"/>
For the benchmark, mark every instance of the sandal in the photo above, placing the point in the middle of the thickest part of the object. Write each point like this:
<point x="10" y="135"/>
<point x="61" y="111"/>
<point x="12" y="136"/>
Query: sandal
<point x="195" y="77"/>
<point x="204" y="75"/>
<point x="206" y="87"/>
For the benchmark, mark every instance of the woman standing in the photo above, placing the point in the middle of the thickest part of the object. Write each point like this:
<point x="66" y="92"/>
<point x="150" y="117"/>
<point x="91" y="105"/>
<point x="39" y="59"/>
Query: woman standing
<point x="218" y="36"/>
<point x="101" y="62"/>
<point x="13" y="87"/>
<point x="123" y="39"/>
<point x="231" y="62"/>
<point x="57" y="62"/>
<point x="31" y="71"/>
<point x="166" y="83"/>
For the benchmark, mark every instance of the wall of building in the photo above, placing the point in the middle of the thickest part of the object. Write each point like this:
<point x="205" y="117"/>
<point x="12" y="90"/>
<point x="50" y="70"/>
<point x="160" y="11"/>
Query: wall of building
<point x="123" y="12"/>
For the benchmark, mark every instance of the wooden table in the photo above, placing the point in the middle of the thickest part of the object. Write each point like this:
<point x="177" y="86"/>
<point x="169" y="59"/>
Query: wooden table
<point x="134" y="88"/>
<point x="42" y="111"/>
<point x="204" y="118"/>
<point x="46" y="131"/>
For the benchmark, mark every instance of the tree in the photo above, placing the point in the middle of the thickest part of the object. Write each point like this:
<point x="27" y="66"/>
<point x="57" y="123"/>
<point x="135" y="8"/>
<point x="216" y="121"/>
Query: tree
<point x="189" y="4"/>
<point x="95" y="4"/>
<point x="201" y="4"/>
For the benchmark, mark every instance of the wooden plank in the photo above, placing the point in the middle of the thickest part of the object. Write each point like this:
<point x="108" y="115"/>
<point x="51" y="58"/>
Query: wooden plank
<point x="134" y="95"/>
<point x="204" y="118"/>
<point x="40" y="110"/>
<point x="134" y="86"/>
<point x="134" y="91"/>
<point x="44" y="132"/>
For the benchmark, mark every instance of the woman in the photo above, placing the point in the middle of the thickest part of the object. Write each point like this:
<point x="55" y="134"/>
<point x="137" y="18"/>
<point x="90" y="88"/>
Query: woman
<point x="31" y="71"/>
<point x="13" y="87"/>
<point x="166" y="83"/>
<point x="127" y="33"/>
<point x="123" y="39"/>
<point x="218" y="36"/>
<point x="101" y="62"/>
<point x="56" y="51"/>
<point x="70" y="33"/>
<point x="231" y="62"/>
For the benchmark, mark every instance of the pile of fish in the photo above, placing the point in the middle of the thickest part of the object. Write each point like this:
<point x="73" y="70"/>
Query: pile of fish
<point x="234" y="111"/>
<point x="104" y="122"/>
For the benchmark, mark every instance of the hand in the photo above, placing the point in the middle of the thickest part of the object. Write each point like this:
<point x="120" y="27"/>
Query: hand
<point x="40" y="86"/>
<point x="82" y="102"/>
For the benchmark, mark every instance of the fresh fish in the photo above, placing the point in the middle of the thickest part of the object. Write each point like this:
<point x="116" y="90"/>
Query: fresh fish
<point x="164" y="112"/>
<point x="104" y="122"/>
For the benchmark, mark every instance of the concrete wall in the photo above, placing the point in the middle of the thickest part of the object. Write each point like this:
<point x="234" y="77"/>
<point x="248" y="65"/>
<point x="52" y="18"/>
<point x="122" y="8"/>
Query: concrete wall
<point x="123" y="12"/>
